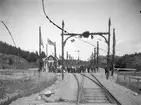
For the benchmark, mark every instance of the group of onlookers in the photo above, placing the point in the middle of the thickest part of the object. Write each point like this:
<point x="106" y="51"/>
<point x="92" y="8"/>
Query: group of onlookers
<point x="80" y="69"/>
<point x="73" y="69"/>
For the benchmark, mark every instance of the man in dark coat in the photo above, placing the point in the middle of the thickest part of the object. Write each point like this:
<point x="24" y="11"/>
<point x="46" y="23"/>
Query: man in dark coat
<point x="106" y="71"/>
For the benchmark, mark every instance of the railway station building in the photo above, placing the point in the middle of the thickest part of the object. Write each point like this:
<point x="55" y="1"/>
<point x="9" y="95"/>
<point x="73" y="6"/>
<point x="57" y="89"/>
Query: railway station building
<point x="50" y="63"/>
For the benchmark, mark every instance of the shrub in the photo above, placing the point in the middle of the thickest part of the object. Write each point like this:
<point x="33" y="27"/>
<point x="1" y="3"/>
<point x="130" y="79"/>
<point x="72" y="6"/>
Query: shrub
<point x="11" y="62"/>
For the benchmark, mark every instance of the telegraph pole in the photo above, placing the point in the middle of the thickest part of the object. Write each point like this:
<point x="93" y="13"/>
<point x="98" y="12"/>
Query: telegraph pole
<point x="55" y="55"/>
<point x="62" y="50"/>
<point x="39" y="41"/>
<point x="78" y="55"/>
<point x="113" y="56"/>
<point x="67" y="55"/>
<point x="55" y="50"/>
<point x="40" y="59"/>
<point x="94" y="59"/>
<point x="108" y="53"/>
<point x="97" y="55"/>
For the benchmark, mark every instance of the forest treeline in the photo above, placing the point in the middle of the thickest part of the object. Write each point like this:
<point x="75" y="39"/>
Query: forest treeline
<point x="129" y="61"/>
<point x="29" y="56"/>
<point x="125" y="61"/>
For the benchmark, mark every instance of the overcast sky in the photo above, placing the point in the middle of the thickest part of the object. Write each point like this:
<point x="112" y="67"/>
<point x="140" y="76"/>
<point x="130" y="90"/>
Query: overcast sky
<point x="23" y="18"/>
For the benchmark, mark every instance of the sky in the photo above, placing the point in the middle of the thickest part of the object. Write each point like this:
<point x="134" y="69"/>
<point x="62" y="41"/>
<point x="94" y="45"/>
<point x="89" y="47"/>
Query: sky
<point x="23" y="18"/>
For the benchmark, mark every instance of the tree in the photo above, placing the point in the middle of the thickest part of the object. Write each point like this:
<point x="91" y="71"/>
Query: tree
<point x="11" y="62"/>
<point x="42" y="55"/>
<point x="28" y="57"/>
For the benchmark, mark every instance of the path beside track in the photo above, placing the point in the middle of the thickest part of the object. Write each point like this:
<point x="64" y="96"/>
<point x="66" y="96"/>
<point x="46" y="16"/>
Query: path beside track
<point x="125" y="96"/>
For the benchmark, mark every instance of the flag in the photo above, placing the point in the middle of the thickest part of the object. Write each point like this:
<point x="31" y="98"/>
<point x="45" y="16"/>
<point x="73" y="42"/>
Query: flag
<point x="50" y="42"/>
<point x="72" y="40"/>
<point x="40" y="38"/>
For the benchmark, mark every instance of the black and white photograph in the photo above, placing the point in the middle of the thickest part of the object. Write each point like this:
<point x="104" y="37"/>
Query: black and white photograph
<point x="70" y="52"/>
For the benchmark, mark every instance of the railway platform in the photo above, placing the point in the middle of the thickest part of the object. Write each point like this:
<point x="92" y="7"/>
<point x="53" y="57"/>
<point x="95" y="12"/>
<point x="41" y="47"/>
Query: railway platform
<point x="122" y="94"/>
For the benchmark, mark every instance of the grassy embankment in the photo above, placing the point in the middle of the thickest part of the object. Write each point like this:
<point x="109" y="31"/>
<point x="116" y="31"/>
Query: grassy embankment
<point x="19" y="84"/>
<point x="8" y="61"/>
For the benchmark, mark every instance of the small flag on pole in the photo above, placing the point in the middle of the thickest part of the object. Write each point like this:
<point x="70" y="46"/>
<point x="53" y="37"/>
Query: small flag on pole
<point x="50" y="42"/>
<point x="72" y="40"/>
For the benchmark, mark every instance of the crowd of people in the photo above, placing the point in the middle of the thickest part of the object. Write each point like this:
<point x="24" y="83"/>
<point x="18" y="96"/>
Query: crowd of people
<point x="80" y="69"/>
<point x="76" y="69"/>
<point x="73" y="69"/>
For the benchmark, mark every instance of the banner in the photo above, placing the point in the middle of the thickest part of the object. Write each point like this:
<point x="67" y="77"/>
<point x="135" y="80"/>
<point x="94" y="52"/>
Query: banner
<point x="50" y="42"/>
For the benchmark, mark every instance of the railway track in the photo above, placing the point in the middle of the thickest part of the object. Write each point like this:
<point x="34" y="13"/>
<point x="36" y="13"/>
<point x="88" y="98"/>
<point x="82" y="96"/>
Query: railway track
<point x="91" y="91"/>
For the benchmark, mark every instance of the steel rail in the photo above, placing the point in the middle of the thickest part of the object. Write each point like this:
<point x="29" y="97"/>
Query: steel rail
<point x="100" y="87"/>
<point x="107" y="91"/>
<point x="80" y="87"/>
<point x="109" y="95"/>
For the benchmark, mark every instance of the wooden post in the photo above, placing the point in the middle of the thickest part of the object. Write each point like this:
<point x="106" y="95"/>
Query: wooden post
<point x="62" y="50"/>
<point x="55" y="56"/>
<point x="39" y="41"/>
<point x="94" y="59"/>
<point x="47" y="49"/>
<point x="39" y="58"/>
<point x="108" y="53"/>
<point x="55" y="50"/>
<point x="78" y="54"/>
<point x="67" y="56"/>
<point x="113" y="56"/>
<point x="40" y="68"/>
<point x="97" y="55"/>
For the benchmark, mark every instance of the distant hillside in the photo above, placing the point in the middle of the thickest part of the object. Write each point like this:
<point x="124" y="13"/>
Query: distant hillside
<point x="103" y="60"/>
<point x="130" y="61"/>
<point x="29" y="56"/>
<point x="8" y="61"/>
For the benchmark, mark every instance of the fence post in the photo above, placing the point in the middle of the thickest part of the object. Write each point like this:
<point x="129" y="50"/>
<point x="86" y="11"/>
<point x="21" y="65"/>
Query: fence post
<point x="138" y="84"/>
<point x="129" y="81"/>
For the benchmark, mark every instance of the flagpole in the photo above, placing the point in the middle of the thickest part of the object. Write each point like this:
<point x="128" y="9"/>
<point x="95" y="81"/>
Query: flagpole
<point x="55" y="49"/>
<point x="47" y="49"/>
<point x="47" y="56"/>
<point x="39" y="58"/>
<point x="55" y="55"/>
<point x="39" y="41"/>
